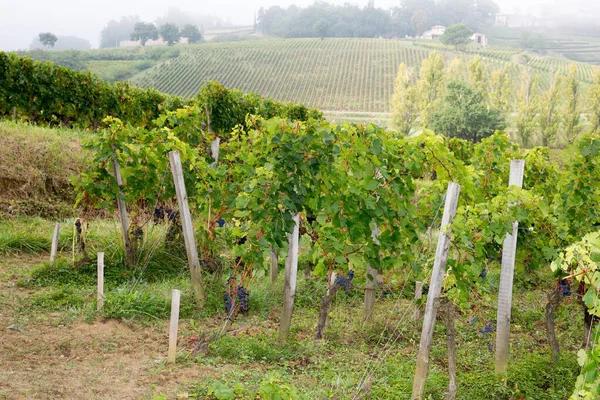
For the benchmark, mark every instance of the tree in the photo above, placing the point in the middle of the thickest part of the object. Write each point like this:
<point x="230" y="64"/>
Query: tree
<point x="63" y="43"/>
<point x="549" y="115"/>
<point x="572" y="112"/>
<point x="430" y="84"/>
<point x="405" y="101"/>
<point x="192" y="33"/>
<point x="170" y="33"/>
<point x="595" y="103"/>
<point x="47" y="39"/>
<point x="527" y="107"/>
<point x="478" y="76"/>
<point x="456" y="35"/>
<point x="115" y="31"/>
<point x="462" y="113"/>
<point x="144" y="31"/>
<point x="500" y="91"/>
<point x="321" y="27"/>
<point x="419" y="21"/>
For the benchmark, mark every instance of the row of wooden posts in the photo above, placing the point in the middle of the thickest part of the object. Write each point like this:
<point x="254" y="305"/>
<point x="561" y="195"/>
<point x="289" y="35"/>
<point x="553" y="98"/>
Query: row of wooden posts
<point x="291" y="269"/>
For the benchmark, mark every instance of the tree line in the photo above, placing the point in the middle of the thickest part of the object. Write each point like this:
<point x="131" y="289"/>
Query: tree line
<point x="471" y="101"/>
<point x="410" y="18"/>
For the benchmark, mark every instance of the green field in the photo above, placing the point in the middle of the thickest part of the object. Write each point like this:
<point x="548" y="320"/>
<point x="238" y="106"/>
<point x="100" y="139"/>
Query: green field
<point x="332" y="74"/>
<point x="343" y="75"/>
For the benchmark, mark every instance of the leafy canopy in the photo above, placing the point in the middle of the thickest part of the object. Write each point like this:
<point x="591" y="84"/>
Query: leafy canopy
<point x="170" y="33"/>
<point x="463" y="114"/>
<point x="144" y="31"/>
<point x="456" y="35"/>
<point x="192" y="33"/>
<point x="47" y="39"/>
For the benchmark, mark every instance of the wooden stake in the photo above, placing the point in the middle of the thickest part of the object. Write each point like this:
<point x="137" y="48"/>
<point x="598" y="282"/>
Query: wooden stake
<point x="123" y="216"/>
<point x="100" y="301"/>
<point x="175" y="298"/>
<point x="418" y="296"/>
<point x="274" y="264"/>
<point x="54" y="248"/>
<point x="509" y="249"/>
<point x="435" y="289"/>
<point x="370" y="289"/>
<point x="289" y="288"/>
<point x="214" y="148"/>
<point x="14" y="114"/>
<point x="188" y="228"/>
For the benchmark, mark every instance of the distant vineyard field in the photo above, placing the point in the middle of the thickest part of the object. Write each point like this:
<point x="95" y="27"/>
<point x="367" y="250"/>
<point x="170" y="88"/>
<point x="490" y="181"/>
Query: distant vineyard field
<point x="331" y="74"/>
<point x="341" y="75"/>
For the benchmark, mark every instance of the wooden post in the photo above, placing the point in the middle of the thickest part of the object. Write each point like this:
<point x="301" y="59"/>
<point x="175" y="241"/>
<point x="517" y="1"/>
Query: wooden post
<point x="435" y="289"/>
<point x="289" y="288"/>
<point x="372" y="276"/>
<point x="509" y="249"/>
<point x="188" y="228"/>
<point x="14" y="114"/>
<point x="214" y="148"/>
<point x="418" y="296"/>
<point x="370" y="289"/>
<point x="274" y="264"/>
<point x="54" y="248"/>
<point x="129" y="256"/>
<point x="175" y="297"/>
<point x="100" y="301"/>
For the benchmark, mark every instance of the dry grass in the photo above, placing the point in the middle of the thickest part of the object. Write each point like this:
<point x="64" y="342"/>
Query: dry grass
<point x="35" y="169"/>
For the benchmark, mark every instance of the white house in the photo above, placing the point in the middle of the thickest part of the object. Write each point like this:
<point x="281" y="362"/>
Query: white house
<point x="434" y="33"/>
<point x="480" y="38"/>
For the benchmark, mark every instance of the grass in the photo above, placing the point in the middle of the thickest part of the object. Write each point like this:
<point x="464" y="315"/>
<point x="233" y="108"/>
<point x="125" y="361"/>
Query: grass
<point x="35" y="169"/>
<point x="250" y="360"/>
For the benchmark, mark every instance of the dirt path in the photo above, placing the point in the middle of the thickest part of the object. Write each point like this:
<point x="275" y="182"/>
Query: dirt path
<point x="100" y="360"/>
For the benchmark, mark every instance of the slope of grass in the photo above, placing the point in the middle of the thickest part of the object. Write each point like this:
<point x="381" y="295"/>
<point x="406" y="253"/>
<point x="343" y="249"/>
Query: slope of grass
<point x="35" y="169"/>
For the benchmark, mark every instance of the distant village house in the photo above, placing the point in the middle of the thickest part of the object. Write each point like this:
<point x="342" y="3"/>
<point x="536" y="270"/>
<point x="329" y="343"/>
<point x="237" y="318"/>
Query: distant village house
<point x="480" y="38"/>
<point x="434" y="33"/>
<point x="437" y="31"/>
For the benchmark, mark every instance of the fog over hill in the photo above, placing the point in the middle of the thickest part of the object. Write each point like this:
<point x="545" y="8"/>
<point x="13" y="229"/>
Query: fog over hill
<point x="21" y="21"/>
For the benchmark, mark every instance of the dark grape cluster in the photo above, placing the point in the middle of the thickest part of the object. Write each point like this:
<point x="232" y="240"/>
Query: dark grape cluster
<point x="243" y="298"/>
<point x="161" y="212"/>
<point x="78" y="226"/>
<point x="564" y="287"/>
<point x="221" y="222"/>
<point x="487" y="329"/>
<point x="483" y="273"/>
<point x="139" y="232"/>
<point x="345" y="282"/>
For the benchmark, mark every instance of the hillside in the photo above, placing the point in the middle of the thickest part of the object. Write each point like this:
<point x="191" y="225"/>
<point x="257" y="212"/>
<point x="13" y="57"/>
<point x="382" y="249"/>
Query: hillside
<point x="350" y="75"/>
<point x="332" y="74"/>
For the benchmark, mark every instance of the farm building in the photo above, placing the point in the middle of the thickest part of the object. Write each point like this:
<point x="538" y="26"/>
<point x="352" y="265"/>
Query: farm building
<point x="434" y="33"/>
<point x="480" y="38"/>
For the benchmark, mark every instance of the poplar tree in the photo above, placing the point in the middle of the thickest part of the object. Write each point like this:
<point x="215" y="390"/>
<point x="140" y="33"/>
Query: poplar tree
<point x="549" y="111"/>
<point x="572" y="112"/>
<point x="527" y="106"/>
<point x="500" y="91"/>
<point x="594" y="95"/>
<point x="431" y="84"/>
<point x="405" y="101"/>
<point x="478" y="77"/>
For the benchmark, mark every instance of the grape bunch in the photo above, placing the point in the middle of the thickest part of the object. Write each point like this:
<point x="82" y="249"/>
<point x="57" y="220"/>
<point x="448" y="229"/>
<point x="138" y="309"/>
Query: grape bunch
<point x="345" y="282"/>
<point x="243" y="296"/>
<point x="483" y="273"/>
<point x="487" y="329"/>
<point x="242" y="300"/>
<point x="564" y="287"/>
<point x="221" y="222"/>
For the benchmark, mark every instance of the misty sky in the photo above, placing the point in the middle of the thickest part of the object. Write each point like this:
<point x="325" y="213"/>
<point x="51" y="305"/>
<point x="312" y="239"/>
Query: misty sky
<point x="22" y="20"/>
